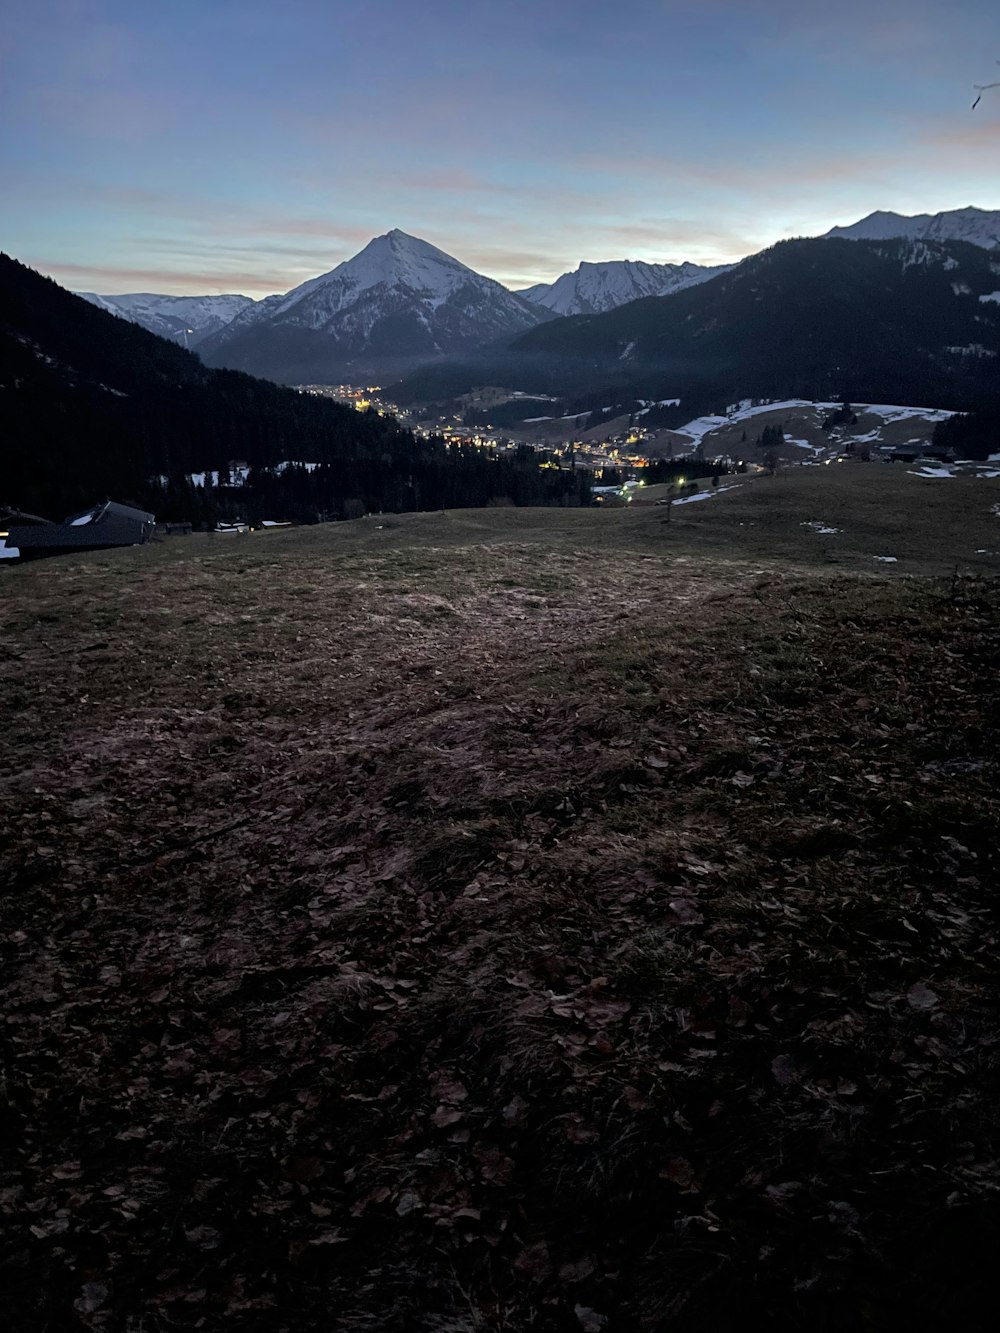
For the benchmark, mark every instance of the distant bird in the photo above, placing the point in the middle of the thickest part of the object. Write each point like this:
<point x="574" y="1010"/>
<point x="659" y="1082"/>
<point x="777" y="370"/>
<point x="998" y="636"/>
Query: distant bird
<point x="980" y="88"/>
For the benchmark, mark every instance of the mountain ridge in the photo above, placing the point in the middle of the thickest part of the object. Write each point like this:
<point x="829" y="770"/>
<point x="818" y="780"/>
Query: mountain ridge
<point x="977" y="226"/>
<point x="187" y="320"/>
<point x="594" y="288"/>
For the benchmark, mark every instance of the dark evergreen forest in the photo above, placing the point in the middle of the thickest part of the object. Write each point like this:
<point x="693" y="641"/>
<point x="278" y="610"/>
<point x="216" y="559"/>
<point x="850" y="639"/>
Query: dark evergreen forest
<point x="92" y="406"/>
<point x="972" y="435"/>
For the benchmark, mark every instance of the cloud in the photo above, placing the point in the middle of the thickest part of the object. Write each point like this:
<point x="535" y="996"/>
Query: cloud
<point x="513" y="268"/>
<point x="99" y="277"/>
<point x="295" y="226"/>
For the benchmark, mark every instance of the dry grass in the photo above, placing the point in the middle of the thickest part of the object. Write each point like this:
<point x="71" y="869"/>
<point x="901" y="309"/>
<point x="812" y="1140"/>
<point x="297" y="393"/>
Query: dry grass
<point x="469" y="922"/>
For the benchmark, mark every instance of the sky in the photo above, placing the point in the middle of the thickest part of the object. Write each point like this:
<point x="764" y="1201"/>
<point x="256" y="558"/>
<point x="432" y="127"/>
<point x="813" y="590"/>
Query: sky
<point x="203" y="146"/>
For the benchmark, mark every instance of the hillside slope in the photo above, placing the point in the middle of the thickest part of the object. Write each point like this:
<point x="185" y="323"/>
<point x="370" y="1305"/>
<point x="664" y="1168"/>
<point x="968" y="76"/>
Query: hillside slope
<point x="507" y="920"/>
<point x="94" y="406"/>
<point x="896" y="321"/>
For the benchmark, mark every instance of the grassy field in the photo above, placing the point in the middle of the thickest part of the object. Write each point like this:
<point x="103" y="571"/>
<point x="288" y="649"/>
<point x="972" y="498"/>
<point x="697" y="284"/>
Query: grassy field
<point x="509" y="920"/>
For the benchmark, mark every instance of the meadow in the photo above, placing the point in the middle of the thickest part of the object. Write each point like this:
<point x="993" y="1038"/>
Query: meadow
<point x="509" y="919"/>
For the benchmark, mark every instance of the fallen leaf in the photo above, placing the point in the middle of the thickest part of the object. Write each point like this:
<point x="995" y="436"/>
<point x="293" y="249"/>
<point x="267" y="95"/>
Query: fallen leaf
<point x="785" y="1070"/>
<point x="92" y="1297"/>
<point x="920" y="996"/>
<point x="590" y="1321"/>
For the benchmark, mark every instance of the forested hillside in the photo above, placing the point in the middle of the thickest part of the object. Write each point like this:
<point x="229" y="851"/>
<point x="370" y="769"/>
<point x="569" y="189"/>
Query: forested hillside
<point x="898" y="320"/>
<point x="895" y="321"/>
<point x="92" y="405"/>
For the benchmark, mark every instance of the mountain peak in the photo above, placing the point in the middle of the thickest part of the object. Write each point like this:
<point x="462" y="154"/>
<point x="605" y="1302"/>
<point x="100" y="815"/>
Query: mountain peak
<point x="399" y="297"/>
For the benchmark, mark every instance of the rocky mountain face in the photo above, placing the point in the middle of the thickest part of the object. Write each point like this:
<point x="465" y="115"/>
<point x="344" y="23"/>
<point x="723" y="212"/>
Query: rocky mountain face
<point x="187" y="320"/>
<point x="977" y="226"/>
<point x="398" y="302"/>
<point x="594" y="288"/>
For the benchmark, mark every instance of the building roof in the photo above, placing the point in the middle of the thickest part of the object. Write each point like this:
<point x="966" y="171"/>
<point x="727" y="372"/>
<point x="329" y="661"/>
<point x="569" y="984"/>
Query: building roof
<point x="108" y="512"/>
<point x="66" y="536"/>
<point x="111" y="510"/>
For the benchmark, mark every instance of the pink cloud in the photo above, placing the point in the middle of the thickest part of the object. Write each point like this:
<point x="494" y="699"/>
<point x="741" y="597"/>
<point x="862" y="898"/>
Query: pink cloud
<point x="98" y="277"/>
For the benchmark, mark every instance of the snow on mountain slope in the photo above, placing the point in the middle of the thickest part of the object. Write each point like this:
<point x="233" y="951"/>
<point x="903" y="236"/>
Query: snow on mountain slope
<point x="394" y="260"/>
<point x="185" y="319"/>
<point x="399" y="298"/>
<point x="594" y="288"/>
<point x="978" y="226"/>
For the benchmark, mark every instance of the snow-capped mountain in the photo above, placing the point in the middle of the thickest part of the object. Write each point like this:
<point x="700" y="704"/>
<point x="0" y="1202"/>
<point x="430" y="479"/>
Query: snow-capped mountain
<point x="188" y="320"/>
<point x="396" y="303"/>
<point x="595" y="288"/>
<point x="978" y="226"/>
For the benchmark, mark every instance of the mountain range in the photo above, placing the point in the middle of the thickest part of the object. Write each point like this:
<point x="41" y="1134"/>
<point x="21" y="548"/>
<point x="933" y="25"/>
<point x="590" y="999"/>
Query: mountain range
<point x="402" y="303"/>
<point x="904" y="320"/>
<point x="594" y="288"/>
<point x="978" y="226"/>
<point x="187" y="320"/>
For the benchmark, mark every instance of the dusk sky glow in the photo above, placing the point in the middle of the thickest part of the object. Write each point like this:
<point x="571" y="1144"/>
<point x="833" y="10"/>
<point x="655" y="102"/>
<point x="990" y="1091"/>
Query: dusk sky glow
<point x="195" y="146"/>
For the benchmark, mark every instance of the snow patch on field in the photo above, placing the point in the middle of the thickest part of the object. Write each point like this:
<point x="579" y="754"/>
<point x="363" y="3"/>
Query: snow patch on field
<point x="744" y="411"/>
<point x="663" y="402"/>
<point x="707" y="495"/>
<point x="820" y="527"/>
<point x="893" y="412"/>
<point x="702" y="425"/>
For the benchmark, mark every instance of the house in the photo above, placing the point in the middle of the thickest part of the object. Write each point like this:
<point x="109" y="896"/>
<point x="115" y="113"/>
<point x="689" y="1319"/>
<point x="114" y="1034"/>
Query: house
<point x="107" y="524"/>
<point x="917" y="449"/>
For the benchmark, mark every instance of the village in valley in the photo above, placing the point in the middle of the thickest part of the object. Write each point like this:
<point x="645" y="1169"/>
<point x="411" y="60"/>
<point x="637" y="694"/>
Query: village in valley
<point x="625" y="462"/>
